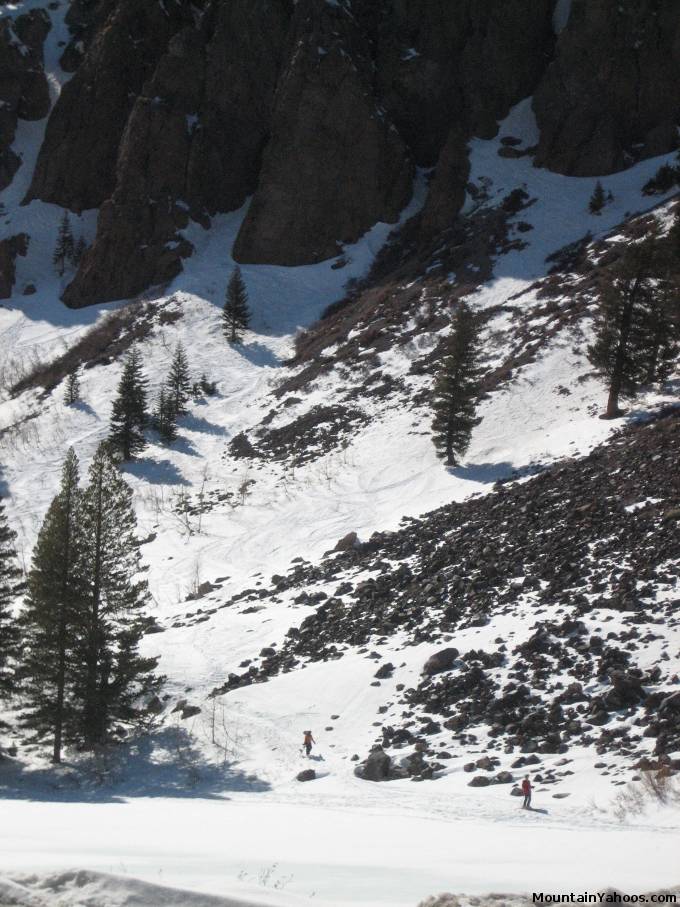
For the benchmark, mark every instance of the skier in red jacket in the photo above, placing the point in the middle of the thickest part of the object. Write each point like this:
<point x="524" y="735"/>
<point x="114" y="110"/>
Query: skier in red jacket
<point x="526" y="790"/>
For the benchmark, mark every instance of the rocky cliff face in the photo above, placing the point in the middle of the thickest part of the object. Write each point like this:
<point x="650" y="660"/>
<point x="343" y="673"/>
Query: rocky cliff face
<point x="611" y="95"/>
<point x="335" y="164"/>
<point x="321" y="111"/>
<point x="23" y="86"/>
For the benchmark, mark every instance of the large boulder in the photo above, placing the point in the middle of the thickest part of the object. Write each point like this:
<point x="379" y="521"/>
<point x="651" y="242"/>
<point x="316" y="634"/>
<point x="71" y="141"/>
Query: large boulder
<point x="379" y="767"/>
<point x="443" y="660"/>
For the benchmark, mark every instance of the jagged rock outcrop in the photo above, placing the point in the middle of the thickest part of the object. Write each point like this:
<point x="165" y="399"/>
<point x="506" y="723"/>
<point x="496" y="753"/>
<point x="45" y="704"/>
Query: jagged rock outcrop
<point x="24" y="92"/>
<point x="192" y="143"/>
<point x="335" y="164"/>
<point x="441" y="65"/>
<point x="9" y="249"/>
<point x="611" y="95"/>
<point x="320" y="110"/>
<point x="76" y="167"/>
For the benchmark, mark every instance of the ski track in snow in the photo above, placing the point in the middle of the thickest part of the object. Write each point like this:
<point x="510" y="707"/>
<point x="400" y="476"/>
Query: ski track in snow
<point x="257" y="834"/>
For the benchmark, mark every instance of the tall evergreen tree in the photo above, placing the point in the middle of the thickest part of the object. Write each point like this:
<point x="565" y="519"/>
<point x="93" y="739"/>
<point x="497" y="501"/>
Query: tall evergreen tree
<point x="129" y="416"/>
<point x="64" y="247"/>
<point x="111" y="673"/>
<point x="165" y="418"/>
<point x="54" y="612"/>
<point x="179" y="382"/>
<point x="72" y="391"/>
<point x="10" y="580"/>
<point x="634" y="324"/>
<point x="456" y="389"/>
<point x="236" y="313"/>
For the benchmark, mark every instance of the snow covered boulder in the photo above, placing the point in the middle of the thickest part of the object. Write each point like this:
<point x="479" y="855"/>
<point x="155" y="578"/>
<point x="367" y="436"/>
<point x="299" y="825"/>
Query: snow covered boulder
<point x="307" y="775"/>
<point x="443" y="660"/>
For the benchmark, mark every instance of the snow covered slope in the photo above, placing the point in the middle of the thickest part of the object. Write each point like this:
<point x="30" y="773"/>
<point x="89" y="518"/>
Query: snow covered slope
<point x="211" y="802"/>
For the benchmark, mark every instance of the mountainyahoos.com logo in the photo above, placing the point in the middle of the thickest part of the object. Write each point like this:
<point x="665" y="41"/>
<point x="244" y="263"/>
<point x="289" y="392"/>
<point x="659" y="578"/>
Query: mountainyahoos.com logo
<point x="603" y="897"/>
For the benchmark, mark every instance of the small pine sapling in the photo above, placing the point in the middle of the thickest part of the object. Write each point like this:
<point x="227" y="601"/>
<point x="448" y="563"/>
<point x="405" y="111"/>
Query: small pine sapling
<point x="64" y="247"/>
<point x="236" y="313"/>
<point x="598" y="199"/>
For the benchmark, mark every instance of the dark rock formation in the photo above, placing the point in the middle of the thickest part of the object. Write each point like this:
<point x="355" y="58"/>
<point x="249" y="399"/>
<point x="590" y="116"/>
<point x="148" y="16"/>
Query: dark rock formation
<point x="440" y="661"/>
<point x="192" y="143"/>
<point x="611" y="95"/>
<point x="23" y="87"/>
<point x="9" y="249"/>
<point x="441" y="65"/>
<point x="76" y="167"/>
<point x="319" y="110"/>
<point x="307" y="775"/>
<point x="334" y="165"/>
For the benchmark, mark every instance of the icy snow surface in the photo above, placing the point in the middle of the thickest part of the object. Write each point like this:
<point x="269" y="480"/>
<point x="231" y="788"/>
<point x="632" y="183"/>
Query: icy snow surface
<point x="247" y="830"/>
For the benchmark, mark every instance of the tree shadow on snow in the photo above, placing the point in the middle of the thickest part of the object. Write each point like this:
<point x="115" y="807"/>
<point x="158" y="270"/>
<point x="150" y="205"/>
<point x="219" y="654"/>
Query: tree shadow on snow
<point x="259" y="354"/>
<point x="157" y="472"/>
<point x="165" y="764"/>
<point x="198" y="423"/>
<point x="82" y="407"/>
<point x="489" y="473"/>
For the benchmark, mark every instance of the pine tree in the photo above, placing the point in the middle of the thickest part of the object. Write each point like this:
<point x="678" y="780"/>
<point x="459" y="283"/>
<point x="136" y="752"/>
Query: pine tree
<point x="10" y="578"/>
<point x="597" y="199"/>
<point x="635" y="332"/>
<point x="64" y="248"/>
<point x="236" y="314"/>
<point x="110" y="673"/>
<point x="129" y="416"/>
<point x="54" y="614"/>
<point x="179" y="382"/>
<point x="209" y="388"/>
<point x="165" y="418"/>
<point x="72" y="392"/>
<point x="79" y="250"/>
<point x="456" y="389"/>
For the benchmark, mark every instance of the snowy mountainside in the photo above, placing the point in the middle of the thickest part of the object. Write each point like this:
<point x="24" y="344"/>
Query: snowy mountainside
<point x="544" y="568"/>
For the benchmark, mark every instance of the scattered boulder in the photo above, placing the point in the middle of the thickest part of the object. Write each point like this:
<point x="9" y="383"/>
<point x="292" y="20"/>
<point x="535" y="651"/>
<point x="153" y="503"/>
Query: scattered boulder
<point x="480" y="781"/>
<point x="347" y="542"/>
<point x="443" y="660"/>
<point x="307" y="775"/>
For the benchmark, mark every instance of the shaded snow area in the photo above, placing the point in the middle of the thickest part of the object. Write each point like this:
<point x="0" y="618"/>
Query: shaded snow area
<point x="209" y="802"/>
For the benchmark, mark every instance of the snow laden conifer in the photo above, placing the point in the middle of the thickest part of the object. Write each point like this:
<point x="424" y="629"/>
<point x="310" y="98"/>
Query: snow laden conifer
<point x="129" y="415"/>
<point x="178" y="384"/>
<point x="54" y="615"/>
<point x="636" y="329"/>
<point x="72" y="390"/>
<point x="10" y="579"/>
<point x="236" y="313"/>
<point x="110" y="674"/>
<point x="64" y="247"/>
<point x="456" y="389"/>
